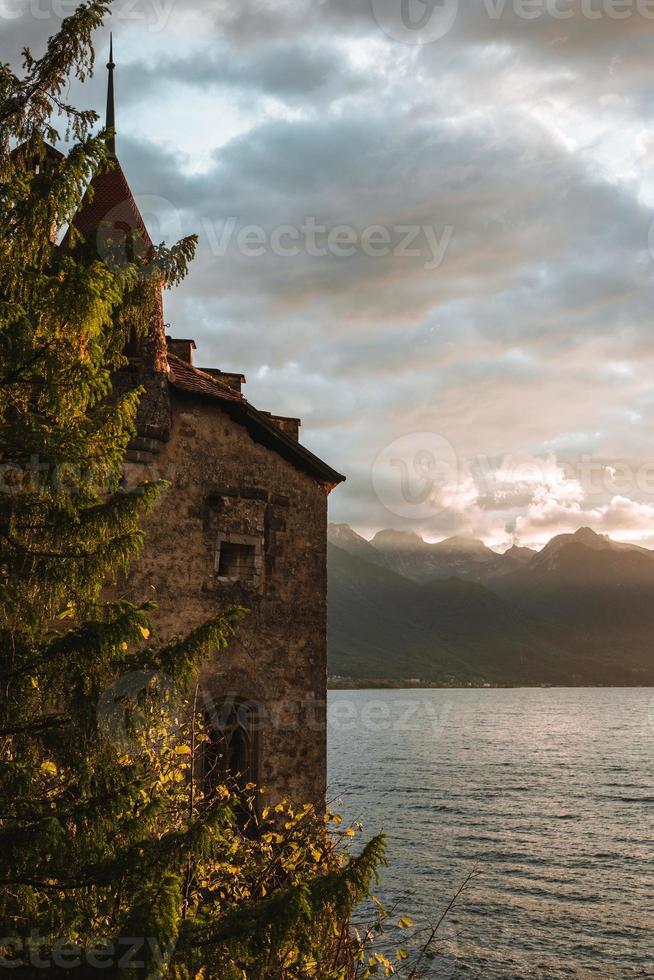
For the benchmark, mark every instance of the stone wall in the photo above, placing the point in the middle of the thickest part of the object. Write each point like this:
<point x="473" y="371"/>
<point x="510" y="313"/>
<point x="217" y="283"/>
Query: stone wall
<point x="229" y="490"/>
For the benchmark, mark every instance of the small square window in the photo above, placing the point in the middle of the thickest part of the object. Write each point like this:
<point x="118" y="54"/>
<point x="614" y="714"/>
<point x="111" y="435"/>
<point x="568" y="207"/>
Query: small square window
<point x="236" y="561"/>
<point x="239" y="558"/>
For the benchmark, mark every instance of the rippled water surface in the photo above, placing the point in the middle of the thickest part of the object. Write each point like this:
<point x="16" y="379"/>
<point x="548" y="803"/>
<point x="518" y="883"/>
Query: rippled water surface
<point x="550" y="793"/>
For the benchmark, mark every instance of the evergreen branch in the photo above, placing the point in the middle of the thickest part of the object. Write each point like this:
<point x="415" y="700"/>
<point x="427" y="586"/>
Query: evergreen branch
<point x="92" y="638"/>
<point x="184" y="655"/>
<point x="172" y="263"/>
<point x="67" y="51"/>
<point x="289" y="906"/>
<point x="34" y="728"/>
<point x="148" y="858"/>
<point x="74" y="556"/>
<point x="15" y="375"/>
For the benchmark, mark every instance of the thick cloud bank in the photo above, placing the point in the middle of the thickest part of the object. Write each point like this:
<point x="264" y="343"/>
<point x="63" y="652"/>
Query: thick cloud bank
<point x="422" y="225"/>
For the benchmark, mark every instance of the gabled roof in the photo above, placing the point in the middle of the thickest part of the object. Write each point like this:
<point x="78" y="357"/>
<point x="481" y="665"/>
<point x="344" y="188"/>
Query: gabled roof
<point x="109" y="202"/>
<point x="48" y="156"/>
<point x="190" y="380"/>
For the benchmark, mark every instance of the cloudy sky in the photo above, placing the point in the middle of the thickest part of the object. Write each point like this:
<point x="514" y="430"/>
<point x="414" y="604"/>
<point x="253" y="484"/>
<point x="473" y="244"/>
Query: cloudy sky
<point x="425" y="227"/>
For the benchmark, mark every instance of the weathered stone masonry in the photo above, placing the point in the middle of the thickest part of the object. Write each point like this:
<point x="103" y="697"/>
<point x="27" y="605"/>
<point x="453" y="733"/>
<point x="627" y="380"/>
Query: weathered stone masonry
<point x="243" y="523"/>
<point x="227" y="487"/>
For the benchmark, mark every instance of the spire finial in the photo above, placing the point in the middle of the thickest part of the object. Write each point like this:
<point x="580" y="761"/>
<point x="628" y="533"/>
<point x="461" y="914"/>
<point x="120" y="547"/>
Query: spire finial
<point x="110" y="122"/>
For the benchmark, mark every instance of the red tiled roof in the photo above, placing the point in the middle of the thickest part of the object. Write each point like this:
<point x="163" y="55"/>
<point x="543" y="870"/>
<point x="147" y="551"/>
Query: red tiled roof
<point x="110" y="204"/>
<point x="188" y="378"/>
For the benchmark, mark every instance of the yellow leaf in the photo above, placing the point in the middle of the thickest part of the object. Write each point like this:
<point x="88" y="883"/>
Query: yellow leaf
<point x="123" y="646"/>
<point x="145" y="632"/>
<point x="183" y="750"/>
<point x="406" y="922"/>
<point x="50" y="767"/>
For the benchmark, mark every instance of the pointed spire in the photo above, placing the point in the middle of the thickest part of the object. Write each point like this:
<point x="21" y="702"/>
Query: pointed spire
<point x="110" y="121"/>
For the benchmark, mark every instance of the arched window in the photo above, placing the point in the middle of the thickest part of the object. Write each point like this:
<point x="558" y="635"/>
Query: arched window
<point x="231" y="755"/>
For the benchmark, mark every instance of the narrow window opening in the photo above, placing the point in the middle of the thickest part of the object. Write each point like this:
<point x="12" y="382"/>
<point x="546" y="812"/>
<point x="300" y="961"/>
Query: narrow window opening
<point x="236" y="561"/>
<point x="231" y="754"/>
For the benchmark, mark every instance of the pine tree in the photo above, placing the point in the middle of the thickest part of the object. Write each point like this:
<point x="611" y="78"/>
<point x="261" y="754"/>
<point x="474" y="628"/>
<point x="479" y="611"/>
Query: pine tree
<point x="102" y="840"/>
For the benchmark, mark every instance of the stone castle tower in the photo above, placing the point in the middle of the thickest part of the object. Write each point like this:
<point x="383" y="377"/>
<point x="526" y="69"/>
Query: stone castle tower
<point x="244" y="522"/>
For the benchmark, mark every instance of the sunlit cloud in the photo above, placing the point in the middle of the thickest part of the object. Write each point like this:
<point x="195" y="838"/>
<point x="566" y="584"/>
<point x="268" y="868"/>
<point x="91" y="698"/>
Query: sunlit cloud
<point x="527" y="345"/>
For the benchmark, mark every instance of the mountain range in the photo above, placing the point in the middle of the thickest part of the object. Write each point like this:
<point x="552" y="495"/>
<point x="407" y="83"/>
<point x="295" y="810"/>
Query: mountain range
<point x="401" y="610"/>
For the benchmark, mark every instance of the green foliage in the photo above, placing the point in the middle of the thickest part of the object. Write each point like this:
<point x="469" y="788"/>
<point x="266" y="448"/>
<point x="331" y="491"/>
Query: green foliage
<point x="105" y="832"/>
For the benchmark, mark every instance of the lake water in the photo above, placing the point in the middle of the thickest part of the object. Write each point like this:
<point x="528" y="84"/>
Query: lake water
<point x="549" y="793"/>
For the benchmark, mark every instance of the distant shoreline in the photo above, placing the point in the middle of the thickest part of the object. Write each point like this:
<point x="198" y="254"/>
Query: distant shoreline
<point x="371" y="684"/>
